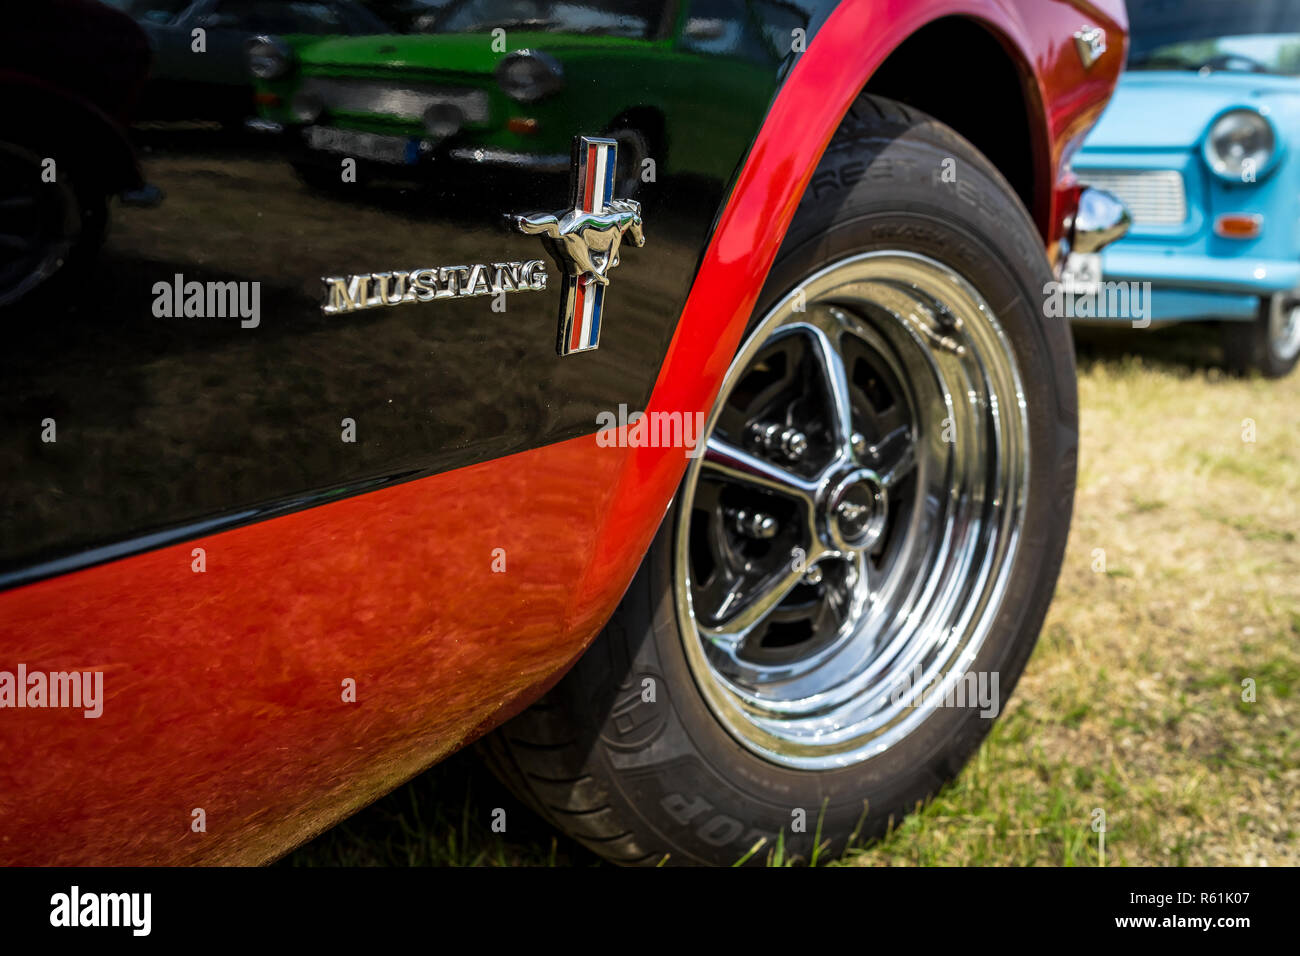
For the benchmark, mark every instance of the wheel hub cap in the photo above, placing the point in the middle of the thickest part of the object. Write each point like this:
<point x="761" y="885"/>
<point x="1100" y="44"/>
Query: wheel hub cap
<point x="850" y="527"/>
<point x="855" y="512"/>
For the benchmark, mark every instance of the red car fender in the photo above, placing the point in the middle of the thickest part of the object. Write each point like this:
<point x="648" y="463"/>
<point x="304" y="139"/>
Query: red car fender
<point x="225" y="691"/>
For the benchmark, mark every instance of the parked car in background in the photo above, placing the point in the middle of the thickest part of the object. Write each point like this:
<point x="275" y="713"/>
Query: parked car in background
<point x="207" y="78"/>
<point x="1202" y="143"/>
<point x="465" y="102"/>
<point x="64" y="152"/>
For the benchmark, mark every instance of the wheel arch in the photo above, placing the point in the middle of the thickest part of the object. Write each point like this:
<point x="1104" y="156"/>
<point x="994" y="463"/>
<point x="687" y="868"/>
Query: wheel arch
<point x="83" y="129"/>
<point x="1005" y="135"/>
<point x="1056" y="104"/>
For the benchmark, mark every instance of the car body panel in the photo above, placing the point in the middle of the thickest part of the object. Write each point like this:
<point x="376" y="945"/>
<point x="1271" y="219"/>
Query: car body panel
<point x="223" y="689"/>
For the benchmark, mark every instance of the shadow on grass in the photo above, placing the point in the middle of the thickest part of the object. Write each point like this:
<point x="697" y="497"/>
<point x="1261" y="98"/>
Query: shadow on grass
<point x="1179" y="349"/>
<point x="443" y="818"/>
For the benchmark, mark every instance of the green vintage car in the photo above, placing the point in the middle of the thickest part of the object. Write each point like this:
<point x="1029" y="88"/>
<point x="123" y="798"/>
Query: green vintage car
<point x="503" y="83"/>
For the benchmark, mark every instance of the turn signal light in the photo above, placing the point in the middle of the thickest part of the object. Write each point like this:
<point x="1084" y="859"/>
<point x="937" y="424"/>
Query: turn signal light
<point x="1239" y="225"/>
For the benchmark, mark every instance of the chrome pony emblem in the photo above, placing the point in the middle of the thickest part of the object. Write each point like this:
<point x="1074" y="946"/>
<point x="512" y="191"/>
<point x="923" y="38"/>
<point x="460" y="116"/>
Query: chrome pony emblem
<point x="585" y="240"/>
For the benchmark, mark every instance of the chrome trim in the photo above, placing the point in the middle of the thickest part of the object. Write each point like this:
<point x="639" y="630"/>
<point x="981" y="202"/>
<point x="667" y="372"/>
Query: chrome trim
<point x="586" y="240"/>
<point x="537" y="162"/>
<point x="1090" y="44"/>
<point x="1154" y="197"/>
<point x="386" y="98"/>
<point x="257" y="125"/>
<point x="1100" y="220"/>
<point x="930" y="471"/>
<point x="356" y="293"/>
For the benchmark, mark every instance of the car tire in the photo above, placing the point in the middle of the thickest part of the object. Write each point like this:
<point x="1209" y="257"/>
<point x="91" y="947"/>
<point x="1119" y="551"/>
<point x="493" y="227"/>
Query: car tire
<point x="53" y="228"/>
<point x="633" y="149"/>
<point x="1270" y="344"/>
<point x="659" y="746"/>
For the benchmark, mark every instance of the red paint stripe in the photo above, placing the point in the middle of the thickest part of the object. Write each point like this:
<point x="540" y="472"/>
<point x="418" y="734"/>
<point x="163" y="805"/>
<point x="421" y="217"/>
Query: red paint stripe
<point x="579" y="297"/>
<point x="590" y="192"/>
<point x="223" y="690"/>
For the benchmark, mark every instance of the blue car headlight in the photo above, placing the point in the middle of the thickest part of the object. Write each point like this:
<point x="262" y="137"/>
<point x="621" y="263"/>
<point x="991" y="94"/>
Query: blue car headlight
<point x="1240" y="145"/>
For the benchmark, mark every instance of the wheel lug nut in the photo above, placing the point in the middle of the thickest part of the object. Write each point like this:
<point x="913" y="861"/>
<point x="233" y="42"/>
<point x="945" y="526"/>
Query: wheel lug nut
<point x="813" y="575"/>
<point x="778" y="439"/>
<point x="859" y="443"/>
<point x="754" y="524"/>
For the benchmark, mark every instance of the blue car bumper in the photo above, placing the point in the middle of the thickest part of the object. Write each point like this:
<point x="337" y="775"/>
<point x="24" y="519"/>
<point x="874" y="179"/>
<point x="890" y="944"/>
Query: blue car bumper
<point x="1187" y="286"/>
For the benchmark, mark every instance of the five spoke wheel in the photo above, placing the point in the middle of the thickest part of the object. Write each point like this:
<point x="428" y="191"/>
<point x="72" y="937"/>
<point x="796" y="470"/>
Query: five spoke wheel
<point x="859" y="492"/>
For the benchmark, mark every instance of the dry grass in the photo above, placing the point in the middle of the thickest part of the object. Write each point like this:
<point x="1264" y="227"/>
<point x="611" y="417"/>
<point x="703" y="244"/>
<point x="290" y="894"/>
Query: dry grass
<point x="1132" y="702"/>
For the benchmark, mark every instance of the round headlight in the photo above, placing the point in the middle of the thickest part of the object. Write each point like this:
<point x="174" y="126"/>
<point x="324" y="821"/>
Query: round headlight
<point x="442" y="120"/>
<point x="527" y="75"/>
<point x="1239" y="144"/>
<point x="306" y="107"/>
<point x="268" y="58"/>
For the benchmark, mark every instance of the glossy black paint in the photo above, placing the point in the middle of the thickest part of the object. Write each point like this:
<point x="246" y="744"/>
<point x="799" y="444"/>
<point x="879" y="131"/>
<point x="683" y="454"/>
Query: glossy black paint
<point x="169" y="427"/>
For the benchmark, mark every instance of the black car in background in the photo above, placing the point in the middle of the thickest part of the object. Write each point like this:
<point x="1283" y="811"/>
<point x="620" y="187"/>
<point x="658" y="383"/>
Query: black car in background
<point x="200" y="48"/>
<point x="64" y="149"/>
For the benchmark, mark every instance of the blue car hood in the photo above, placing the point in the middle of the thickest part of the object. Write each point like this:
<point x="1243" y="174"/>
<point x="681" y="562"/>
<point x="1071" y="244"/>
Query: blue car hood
<point x="1171" y="109"/>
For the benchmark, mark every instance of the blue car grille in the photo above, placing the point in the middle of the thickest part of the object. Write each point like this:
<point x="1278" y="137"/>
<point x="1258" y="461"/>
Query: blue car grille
<point x="1154" y="197"/>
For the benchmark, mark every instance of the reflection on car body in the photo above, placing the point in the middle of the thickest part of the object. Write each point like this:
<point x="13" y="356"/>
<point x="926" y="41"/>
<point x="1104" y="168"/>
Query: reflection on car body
<point x="451" y="95"/>
<point x="200" y="49"/>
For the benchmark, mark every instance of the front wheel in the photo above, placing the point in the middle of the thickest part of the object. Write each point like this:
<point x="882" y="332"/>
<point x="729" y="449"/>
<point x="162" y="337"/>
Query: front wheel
<point x="1269" y="345"/>
<point x="853" y="575"/>
<point x="48" y="227"/>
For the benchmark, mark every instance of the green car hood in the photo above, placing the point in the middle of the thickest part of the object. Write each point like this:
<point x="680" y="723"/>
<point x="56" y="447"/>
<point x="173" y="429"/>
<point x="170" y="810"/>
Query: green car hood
<point x="452" y="53"/>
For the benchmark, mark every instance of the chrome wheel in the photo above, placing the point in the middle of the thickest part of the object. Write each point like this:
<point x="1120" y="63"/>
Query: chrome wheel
<point x="38" y="223"/>
<point x="844" y="542"/>
<point x="1284" y="328"/>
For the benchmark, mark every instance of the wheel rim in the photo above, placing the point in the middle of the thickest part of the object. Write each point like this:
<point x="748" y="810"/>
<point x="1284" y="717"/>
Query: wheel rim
<point x="874" y="421"/>
<point x="1284" y="328"/>
<point x="38" y="223"/>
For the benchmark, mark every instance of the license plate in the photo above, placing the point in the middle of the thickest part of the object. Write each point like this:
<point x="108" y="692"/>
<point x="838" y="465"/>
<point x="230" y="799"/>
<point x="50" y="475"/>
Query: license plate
<point x="373" y="146"/>
<point x="1082" y="273"/>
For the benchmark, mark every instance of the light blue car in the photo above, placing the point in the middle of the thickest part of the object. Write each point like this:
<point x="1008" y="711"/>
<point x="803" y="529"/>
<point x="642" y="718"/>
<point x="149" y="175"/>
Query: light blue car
<point x="1202" y="143"/>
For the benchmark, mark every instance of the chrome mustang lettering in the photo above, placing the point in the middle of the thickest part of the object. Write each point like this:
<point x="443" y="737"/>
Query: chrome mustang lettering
<point x="357" y="292"/>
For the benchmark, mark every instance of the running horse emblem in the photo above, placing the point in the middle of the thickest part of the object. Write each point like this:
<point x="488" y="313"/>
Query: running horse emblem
<point x="585" y="241"/>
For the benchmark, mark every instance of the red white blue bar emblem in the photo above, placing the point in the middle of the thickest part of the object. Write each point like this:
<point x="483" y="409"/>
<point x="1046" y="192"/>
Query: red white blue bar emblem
<point x="585" y="240"/>
<point x="584" y="296"/>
